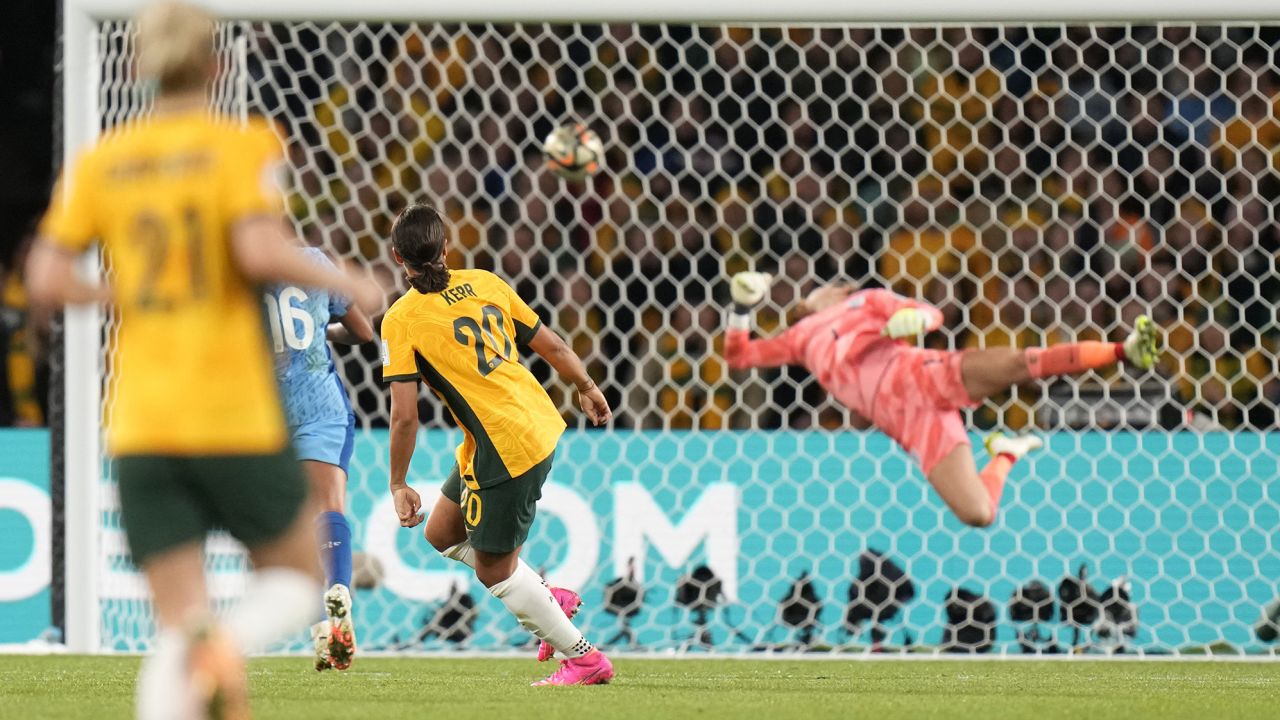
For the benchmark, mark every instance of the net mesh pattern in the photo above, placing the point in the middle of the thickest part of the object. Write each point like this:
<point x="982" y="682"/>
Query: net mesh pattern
<point x="1039" y="184"/>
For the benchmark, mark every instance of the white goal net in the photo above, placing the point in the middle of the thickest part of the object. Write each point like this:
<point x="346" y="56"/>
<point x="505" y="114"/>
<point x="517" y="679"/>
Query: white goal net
<point x="1039" y="184"/>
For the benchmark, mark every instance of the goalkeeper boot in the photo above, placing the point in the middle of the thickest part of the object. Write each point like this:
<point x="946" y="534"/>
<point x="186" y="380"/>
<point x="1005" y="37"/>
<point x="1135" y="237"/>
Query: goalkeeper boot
<point x="342" y="632"/>
<point x="320" y="635"/>
<point x="1141" y="348"/>
<point x="216" y="675"/>
<point x="590" y="669"/>
<point x="997" y="443"/>
<point x="569" y="601"/>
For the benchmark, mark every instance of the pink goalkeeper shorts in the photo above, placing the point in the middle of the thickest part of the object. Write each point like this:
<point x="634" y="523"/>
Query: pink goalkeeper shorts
<point x="918" y="403"/>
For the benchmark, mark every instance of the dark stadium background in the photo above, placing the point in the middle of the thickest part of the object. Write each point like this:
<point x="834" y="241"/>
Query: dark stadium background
<point x="27" y="60"/>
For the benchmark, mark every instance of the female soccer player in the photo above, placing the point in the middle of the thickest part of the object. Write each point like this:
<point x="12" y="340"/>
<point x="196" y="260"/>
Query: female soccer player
<point x="184" y="207"/>
<point x="302" y="323"/>
<point x="853" y="343"/>
<point x="458" y="332"/>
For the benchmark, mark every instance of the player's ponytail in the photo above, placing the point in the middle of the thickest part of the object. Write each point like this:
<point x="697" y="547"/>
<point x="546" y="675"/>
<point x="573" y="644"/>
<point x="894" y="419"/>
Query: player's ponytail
<point x="418" y="237"/>
<point x="175" y="46"/>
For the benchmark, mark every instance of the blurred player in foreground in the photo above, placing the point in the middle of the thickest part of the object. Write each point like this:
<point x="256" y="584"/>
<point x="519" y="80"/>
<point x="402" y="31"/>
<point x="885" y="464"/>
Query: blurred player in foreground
<point x="853" y="343"/>
<point x="186" y="211"/>
<point x="302" y="322"/>
<point x="458" y="332"/>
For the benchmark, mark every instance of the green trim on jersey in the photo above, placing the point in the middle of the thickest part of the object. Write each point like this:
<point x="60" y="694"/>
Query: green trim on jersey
<point x="524" y="333"/>
<point x="401" y="378"/>
<point x="487" y="463"/>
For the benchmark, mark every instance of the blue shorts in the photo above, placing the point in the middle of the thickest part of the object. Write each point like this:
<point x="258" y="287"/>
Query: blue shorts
<point x="328" y="441"/>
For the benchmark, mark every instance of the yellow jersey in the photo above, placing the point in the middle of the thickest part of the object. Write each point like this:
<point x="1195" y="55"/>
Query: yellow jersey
<point x="193" y="374"/>
<point x="463" y="343"/>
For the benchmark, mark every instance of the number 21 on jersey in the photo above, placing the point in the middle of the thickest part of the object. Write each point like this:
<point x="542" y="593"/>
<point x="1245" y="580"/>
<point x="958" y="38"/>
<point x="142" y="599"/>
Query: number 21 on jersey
<point x="291" y="325"/>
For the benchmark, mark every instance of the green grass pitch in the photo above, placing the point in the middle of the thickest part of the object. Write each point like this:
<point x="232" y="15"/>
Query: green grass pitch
<point x="704" y="689"/>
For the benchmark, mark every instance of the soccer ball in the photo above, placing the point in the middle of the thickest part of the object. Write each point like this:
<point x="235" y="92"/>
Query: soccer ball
<point x="573" y="151"/>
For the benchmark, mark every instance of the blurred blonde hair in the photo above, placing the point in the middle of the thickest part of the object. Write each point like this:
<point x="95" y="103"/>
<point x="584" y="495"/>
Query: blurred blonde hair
<point x="175" y="46"/>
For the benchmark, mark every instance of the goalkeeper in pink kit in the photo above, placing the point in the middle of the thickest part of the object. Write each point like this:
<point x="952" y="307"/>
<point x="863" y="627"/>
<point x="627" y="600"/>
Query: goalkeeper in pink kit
<point x="854" y="344"/>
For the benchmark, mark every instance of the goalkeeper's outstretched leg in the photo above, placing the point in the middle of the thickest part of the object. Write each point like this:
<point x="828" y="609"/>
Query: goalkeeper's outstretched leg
<point x="993" y="370"/>
<point x="968" y="378"/>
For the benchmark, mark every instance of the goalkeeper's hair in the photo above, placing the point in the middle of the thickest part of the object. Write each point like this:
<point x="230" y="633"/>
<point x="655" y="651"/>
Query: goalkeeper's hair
<point x="175" y="46"/>
<point x="418" y="237"/>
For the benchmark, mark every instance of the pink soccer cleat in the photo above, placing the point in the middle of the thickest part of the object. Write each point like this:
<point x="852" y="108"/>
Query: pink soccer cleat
<point x="590" y="669"/>
<point x="569" y="601"/>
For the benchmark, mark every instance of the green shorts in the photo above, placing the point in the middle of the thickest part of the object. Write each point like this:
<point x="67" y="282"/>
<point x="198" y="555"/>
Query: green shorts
<point x="498" y="517"/>
<point x="167" y="501"/>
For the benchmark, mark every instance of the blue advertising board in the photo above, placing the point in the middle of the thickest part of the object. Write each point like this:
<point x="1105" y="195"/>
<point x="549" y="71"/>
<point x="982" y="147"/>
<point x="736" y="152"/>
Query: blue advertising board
<point x="1191" y="521"/>
<point x="25" y="534"/>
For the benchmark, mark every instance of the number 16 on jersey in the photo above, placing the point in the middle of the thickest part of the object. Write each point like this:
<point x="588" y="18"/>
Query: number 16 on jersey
<point x="291" y="323"/>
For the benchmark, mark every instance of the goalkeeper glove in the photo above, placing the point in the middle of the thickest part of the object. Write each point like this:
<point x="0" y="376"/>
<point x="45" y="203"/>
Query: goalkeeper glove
<point x="905" y="323"/>
<point x="748" y="289"/>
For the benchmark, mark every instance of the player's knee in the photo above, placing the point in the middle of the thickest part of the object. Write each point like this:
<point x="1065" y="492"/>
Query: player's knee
<point x="489" y="577"/>
<point x="329" y="502"/>
<point x="438" y="540"/>
<point x="1015" y="368"/>
<point x="490" y="574"/>
<point x="493" y="568"/>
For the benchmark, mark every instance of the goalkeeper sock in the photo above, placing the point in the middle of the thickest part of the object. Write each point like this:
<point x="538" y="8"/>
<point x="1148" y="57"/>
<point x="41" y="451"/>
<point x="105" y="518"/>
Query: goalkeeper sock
<point x="278" y="602"/>
<point x="993" y="477"/>
<point x="1072" y="358"/>
<point x="334" y="534"/>
<point x="524" y="595"/>
<point x="163" y="690"/>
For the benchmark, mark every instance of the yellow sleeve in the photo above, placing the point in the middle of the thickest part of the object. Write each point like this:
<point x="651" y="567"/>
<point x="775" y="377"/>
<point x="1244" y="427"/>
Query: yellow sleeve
<point x="526" y="320"/>
<point x="398" y="362"/>
<point x="69" y="222"/>
<point x="255" y="179"/>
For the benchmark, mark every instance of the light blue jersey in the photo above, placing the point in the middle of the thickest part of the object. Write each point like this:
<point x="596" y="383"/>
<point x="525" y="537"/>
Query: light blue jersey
<point x="321" y="425"/>
<point x="310" y="388"/>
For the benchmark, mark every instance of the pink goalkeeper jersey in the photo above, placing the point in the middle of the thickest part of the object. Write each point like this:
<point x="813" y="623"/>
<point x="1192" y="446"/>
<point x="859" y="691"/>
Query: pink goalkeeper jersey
<point x="842" y="346"/>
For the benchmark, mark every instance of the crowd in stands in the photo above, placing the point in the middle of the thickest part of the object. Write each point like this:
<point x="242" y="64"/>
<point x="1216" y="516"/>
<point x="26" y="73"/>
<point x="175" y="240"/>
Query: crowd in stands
<point x="1037" y="184"/>
<point x="23" y="355"/>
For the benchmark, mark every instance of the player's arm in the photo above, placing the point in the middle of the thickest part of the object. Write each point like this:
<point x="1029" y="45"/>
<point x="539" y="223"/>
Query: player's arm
<point x="263" y="247"/>
<point x="353" y="328"/>
<point x="740" y="351"/>
<point x="404" y="437"/>
<point x="266" y="252"/>
<point x="400" y="370"/>
<point x="552" y="348"/>
<point x="904" y="317"/>
<point x="66" y="232"/>
<point x="52" y="280"/>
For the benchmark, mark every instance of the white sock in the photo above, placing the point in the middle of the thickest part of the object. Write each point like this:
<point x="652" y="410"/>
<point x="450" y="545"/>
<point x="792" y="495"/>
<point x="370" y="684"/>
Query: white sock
<point x="277" y="603"/>
<point x="163" y="692"/>
<point x="463" y="553"/>
<point x="524" y="595"/>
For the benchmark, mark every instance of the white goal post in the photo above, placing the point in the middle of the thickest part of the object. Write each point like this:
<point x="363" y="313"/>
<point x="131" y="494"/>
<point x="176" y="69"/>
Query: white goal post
<point x="749" y="476"/>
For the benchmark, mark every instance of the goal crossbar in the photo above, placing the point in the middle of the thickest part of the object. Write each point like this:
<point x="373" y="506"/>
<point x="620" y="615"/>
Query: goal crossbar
<point x="715" y="11"/>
